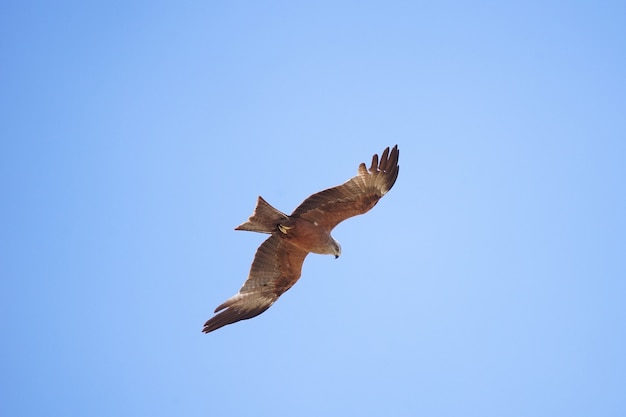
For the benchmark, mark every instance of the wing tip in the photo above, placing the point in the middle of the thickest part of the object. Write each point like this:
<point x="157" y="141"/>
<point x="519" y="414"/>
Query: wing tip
<point x="228" y="316"/>
<point x="238" y="307"/>
<point x="388" y="167"/>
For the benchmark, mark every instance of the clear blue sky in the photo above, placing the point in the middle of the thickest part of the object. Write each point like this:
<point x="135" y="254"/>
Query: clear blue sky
<point x="489" y="282"/>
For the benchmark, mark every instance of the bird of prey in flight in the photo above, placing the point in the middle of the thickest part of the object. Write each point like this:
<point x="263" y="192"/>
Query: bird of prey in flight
<point x="278" y="261"/>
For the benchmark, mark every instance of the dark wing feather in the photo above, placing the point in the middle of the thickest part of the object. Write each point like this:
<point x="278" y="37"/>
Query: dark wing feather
<point x="276" y="267"/>
<point x="356" y="196"/>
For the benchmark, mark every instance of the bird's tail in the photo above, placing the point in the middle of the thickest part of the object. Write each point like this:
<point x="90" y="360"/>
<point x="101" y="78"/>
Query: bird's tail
<point x="264" y="219"/>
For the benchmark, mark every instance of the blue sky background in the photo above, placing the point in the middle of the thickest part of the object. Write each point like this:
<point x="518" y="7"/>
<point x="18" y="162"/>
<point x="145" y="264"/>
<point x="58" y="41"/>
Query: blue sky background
<point x="489" y="282"/>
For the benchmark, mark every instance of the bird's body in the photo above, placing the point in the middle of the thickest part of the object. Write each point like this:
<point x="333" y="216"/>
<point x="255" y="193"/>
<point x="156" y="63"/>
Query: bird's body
<point x="278" y="261"/>
<point x="309" y="236"/>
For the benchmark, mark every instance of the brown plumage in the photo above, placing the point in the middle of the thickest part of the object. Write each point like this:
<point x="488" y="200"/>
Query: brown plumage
<point x="278" y="261"/>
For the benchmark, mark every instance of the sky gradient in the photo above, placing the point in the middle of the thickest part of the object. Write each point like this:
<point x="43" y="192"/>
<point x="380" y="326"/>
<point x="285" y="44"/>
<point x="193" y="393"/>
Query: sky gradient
<point x="490" y="281"/>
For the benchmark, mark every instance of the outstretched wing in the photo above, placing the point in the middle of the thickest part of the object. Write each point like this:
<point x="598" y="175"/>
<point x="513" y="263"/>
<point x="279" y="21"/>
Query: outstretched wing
<point x="356" y="196"/>
<point x="276" y="267"/>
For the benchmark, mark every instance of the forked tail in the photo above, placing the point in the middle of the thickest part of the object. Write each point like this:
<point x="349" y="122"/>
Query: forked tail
<point x="264" y="219"/>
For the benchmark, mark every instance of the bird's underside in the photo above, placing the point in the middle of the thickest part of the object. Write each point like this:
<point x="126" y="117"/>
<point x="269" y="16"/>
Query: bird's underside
<point x="278" y="261"/>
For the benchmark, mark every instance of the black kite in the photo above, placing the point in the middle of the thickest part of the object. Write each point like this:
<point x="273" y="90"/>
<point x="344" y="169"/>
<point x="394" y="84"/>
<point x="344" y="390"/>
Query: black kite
<point x="278" y="261"/>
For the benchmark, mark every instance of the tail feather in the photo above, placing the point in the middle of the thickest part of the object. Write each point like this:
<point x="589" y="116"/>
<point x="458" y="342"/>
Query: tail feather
<point x="264" y="219"/>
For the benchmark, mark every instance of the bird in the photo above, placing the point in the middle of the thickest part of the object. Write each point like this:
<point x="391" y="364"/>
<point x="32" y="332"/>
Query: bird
<point x="277" y="264"/>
